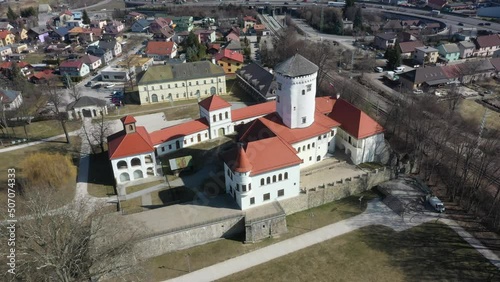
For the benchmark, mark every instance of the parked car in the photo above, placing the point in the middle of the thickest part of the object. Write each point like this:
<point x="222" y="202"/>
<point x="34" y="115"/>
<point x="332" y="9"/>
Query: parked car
<point x="480" y="24"/>
<point x="399" y="69"/>
<point x="379" y="69"/>
<point x="461" y="24"/>
<point x="488" y="24"/>
<point x="88" y="84"/>
<point x="96" y="86"/>
<point x="418" y="91"/>
<point x="111" y="85"/>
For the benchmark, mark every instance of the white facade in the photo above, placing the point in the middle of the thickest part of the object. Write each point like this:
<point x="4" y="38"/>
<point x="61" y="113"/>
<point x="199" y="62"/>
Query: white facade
<point x="110" y="73"/>
<point x="182" y="89"/>
<point x="15" y="104"/>
<point x="315" y="149"/>
<point x="278" y="184"/>
<point x="295" y="99"/>
<point x="360" y="150"/>
<point x="134" y="167"/>
<point x="182" y="142"/>
<point x="219" y="120"/>
<point x="88" y="111"/>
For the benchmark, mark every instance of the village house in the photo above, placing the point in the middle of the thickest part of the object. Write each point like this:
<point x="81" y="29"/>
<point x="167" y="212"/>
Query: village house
<point x="20" y="33"/>
<point x="75" y="23"/>
<point x="407" y="49"/>
<point x="59" y="34"/>
<point x="384" y="40"/>
<point x="92" y="61"/>
<point x="5" y="51"/>
<point x="135" y="63"/>
<point x="141" y="25"/>
<point x="115" y="74"/>
<point x="36" y="34"/>
<point x="449" y="52"/>
<point x="425" y="55"/>
<point x="230" y="61"/>
<point x="249" y="21"/>
<point x="164" y="34"/>
<point x="161" y="50"/>
<point x="486" y="45"/>
<point x="86" y="107"/>
<point x="10" y="99"/>
<point x="466" y="49"/>
<point x="42" y="76"/>
<point x="6" y="26"/>
<point x="164" y="83"/>
<point x="74" y="68"/>
<point x="62" y="18"/>
<point x="134" y="16"/>
<point x="6" y="38"/>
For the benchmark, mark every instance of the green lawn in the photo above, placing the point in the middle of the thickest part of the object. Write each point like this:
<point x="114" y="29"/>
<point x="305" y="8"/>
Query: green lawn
<point x="43" y="129"/>
<point x="429" y="252"/>
<point x="175" y="264"/>
<point x="131" y="206"/>
<point x="470" y="110"/>
<point x="13" y="159"/>
<point x="34" y="58"/>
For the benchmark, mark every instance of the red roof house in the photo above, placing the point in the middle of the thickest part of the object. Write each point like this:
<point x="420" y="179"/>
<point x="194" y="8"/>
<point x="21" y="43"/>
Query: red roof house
<point x="160" y="50"/>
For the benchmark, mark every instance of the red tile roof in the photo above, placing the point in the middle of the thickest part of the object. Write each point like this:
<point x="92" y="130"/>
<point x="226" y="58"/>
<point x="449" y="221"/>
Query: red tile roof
<point x="122" y="144"/>
<point x="45" y="74"/>
<point x="253" y="111"/>
<point x="8" y="65"/>
<point x="232" y="37"/>
<point x="4" y="33"/>
<point x="128" y="119"/>
<point x="325" y="104"/>
<point x="160" y="47"/>
<point x="213" y="103"/>
<point x="354" y="121"/>
<point x="229" y="54"/>
<point x="488" y="40"/>
<point x="71" y="64"/>
<point x="272" y="125"/>
<point x="177" y="131"/>
<point x="249" y="19"/>
<point x="242" y="164"/>
<point x="265" y="155"/>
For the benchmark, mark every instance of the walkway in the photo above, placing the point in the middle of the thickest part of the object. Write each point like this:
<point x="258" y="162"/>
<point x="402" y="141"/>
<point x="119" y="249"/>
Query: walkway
<point x="376" y="214"/>
<point x="17" y="147"/>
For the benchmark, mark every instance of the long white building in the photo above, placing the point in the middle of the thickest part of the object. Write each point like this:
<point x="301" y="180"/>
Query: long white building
<point x="282" y="137"/>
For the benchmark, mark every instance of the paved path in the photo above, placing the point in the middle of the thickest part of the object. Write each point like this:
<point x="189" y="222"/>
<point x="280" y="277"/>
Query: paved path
<point x="21" y="146"/>
<point x="376" y="213"/>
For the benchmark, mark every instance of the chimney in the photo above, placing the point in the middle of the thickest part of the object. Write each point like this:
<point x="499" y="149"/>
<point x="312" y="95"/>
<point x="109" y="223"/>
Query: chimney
<point x="213" y="60"/>
<point x="271" y="71"/>
<point x="338" y="96"/>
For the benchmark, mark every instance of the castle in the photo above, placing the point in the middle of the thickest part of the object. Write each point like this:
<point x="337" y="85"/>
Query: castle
<point x="281" y="137"/>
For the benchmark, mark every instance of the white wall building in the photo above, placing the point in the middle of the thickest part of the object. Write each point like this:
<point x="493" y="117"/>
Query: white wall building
<point x="115" y="74"/>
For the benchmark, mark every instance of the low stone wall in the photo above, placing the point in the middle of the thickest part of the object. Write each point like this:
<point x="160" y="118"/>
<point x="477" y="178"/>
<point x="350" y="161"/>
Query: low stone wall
<point x="187" y="237"/>
<point x="332" y="191"/>
<point x="267" y="226"/>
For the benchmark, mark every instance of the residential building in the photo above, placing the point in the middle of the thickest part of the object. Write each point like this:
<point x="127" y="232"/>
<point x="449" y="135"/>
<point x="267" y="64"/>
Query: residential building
<point x="114" y="27"/>
<point x="281" y="137"/>
<point x="233" y="46"/>
<point x="74" y="23"/>
<point x="135" y="63"/>
<point x="466" y="49"/>
<point x="115" y="74"/>
<point x="140" y="25"/>
<point x="42" y="76"/>
<point x="87" y="107"/>
<point x="79" y="34"/>
<point x="449" y="52"/>
<point x="134" y="16"/>
<point x="465" y="34"/>
<point x="233" y="36"/>
<point x="161" y="50"/>
<point x="18" y="48"/>
<point x="384" y="40"/>
<point x="36" y="34"/>
<point x="74" y="68"/>
<point x="430" y="76"/>
<point x="106" y="55"/>
<point x="159" y="24"/>
<point x="93" y="62"/>
<point x="257" y="81"/>
<point x="486" y="45"/>
<point x="7" y="38"/>
<point x="164" y="34"/>
<point x="425" y="55"/>
<point x="230" y="61"/>
<point x="183" y="23"/>
<point x="59" y="34"/>
<point x="100" y="24"/>
<point x="205" y="36"/>
<point x="77" y="15"/>
<point x="20" y="33"/>
<point x="164" y="83"/>
<point x="436" y="4"/>
<point x="249" y="21"/>
<point x="114" y="46"/>
<point x="5" y="51"/>
<point x="393" y="26"/>
<point x="62" y="18"/>
<point x="6" y="67"/>
<point x="261" y="30"/>
<point x="6" y="26"/>
<point x="407" y="49"/>
<point x="10" y="99"/>
<point x="495" y="62"/>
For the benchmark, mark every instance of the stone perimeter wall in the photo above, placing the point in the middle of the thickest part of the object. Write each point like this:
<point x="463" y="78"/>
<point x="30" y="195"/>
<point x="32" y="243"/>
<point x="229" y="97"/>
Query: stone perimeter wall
<point x="189" y="237"/>
<point x="333" y="191"/>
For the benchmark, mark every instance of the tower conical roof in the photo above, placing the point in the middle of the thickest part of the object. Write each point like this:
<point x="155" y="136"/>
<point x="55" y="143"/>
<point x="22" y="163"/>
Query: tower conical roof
<point x="242" y="163"/>
<point x="296" y="66"/>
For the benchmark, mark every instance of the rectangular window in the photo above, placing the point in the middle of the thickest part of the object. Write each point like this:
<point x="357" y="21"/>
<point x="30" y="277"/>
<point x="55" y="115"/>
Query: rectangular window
<point x="304" y="119"/>
<point x="170" y="147"/>
<point x="243" y="188"/>
<point x="252" y="201"/>
<point x="153" y="87"/>
<point x="238" y="187"/>
<point x="277" y="99"/>
<point x="163" y="149"/>
<point x="161" y="87"/>
<point x="309" y="87"/>
<point x="266" y="197"/>
<point x="281" y="192"/>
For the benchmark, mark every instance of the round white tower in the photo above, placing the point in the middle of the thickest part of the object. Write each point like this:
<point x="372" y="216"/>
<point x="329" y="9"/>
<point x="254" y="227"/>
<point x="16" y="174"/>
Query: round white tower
<point x="296" y="91"/>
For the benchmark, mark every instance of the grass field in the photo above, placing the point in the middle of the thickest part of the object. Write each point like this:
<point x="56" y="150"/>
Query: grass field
<point x="175" y="264"/>
<point x="430" y="252"/>
<point x="136" y="188"/>
<point x="43" y="129"/>
<point x="471" y="110"/>
<point x="34" y="58"/>
<point x="13" y="159"/>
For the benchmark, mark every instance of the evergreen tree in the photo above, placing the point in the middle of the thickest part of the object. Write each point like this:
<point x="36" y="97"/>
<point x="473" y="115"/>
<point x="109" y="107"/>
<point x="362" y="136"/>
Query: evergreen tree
<point x="358" y="19"/>
<point x="85" y="17"/>
<point x="348" y="4"/>
<point x="11" y="15"/>
<point x="393" y="57"/>
<point x="29" y="12"/>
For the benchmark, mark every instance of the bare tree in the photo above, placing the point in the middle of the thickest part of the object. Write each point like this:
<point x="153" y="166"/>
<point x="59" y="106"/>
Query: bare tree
<point x="56" y="98"/>
<point x="101" y="130"/>
<point x="77" y="242"/>
<point x="74" y="92"/>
